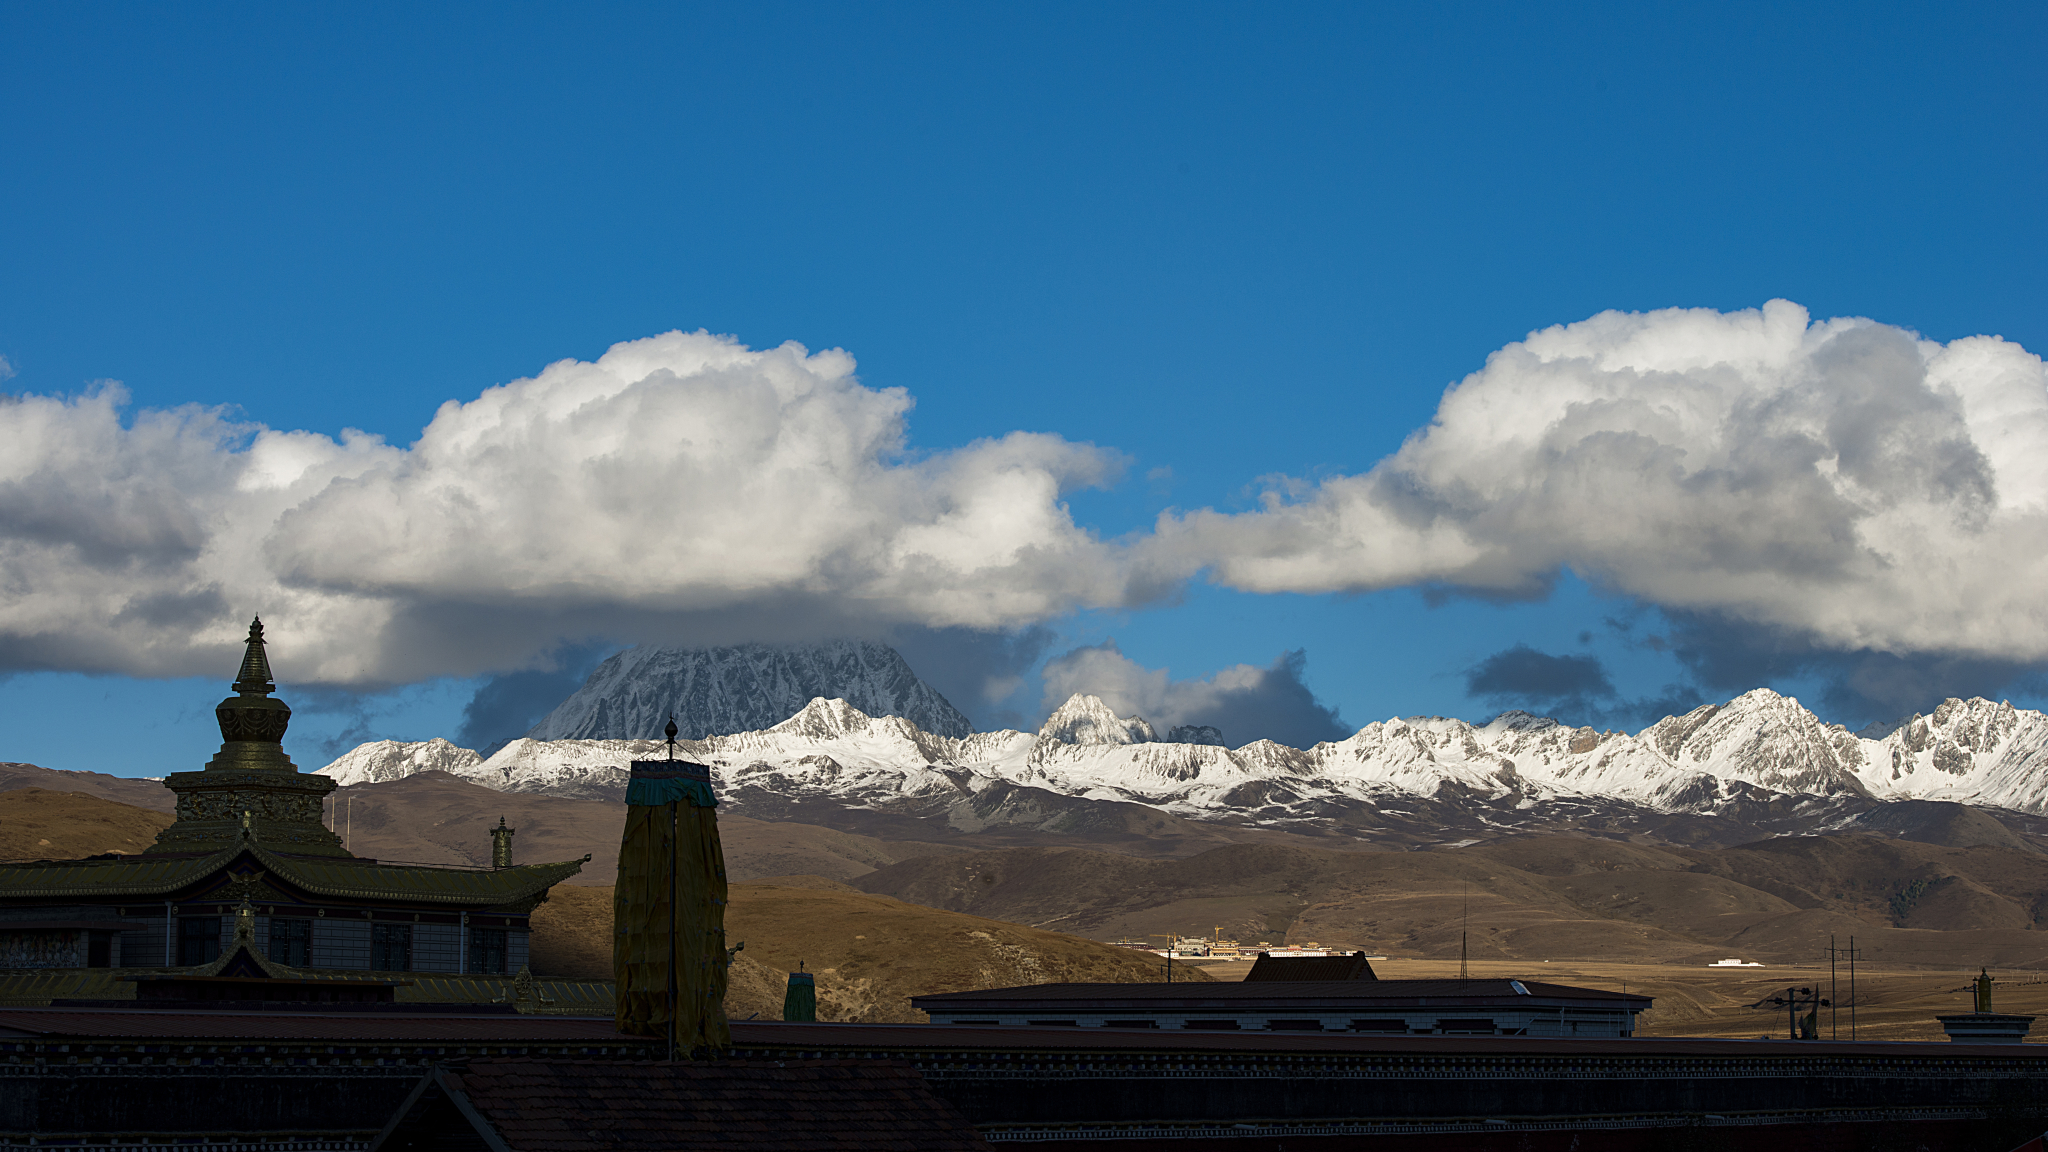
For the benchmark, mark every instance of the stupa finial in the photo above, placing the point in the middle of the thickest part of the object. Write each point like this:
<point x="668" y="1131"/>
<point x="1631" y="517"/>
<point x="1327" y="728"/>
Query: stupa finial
<point x="254" y="679"/>
<point x="252" y="715"/>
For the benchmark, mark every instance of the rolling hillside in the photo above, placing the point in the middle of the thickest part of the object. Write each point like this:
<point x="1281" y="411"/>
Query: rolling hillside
<point x="870" y="953"/>
<point x="1531" y="898"/>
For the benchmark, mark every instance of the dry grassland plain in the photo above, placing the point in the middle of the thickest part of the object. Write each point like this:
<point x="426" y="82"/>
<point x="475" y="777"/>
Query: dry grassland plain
<point x="870" y="953"/>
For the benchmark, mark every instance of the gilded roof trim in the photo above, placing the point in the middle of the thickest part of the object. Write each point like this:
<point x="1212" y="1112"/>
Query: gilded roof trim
<point x="447" y="886"/>
<point x="145" y="876"/>
<point x="344" y="878"/>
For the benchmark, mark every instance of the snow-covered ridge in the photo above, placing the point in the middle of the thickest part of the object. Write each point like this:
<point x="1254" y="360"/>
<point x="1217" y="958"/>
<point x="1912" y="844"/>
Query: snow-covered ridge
<point x="1973" y="751"/>
<point x="382" y="760"/>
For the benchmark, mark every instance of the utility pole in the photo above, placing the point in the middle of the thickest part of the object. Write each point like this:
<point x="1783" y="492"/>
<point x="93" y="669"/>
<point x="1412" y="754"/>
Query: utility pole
<point x="1852" y="987"/>
<point x="1793" y="1000"/>
<point x="1833" y="993"/>
<point x="1171" y="941"/>
<point x="1465" y="931"/>
<point x="1835" y="956"/>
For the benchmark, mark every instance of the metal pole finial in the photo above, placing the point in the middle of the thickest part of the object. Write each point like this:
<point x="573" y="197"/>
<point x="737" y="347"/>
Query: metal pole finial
<point x="671" y="730"/>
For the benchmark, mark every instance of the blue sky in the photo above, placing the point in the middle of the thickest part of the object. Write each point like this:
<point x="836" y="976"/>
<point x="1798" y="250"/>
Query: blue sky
<point x="1229" y="243"/>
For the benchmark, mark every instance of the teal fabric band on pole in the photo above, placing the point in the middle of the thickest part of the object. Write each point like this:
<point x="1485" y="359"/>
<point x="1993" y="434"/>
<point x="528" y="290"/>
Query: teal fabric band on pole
<point x="669" y="954"/>
<point x="800" y="999"/>
<point x="653" y="782"/>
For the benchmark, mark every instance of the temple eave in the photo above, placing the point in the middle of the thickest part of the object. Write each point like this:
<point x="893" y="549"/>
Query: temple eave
<point x="169" y="876"/>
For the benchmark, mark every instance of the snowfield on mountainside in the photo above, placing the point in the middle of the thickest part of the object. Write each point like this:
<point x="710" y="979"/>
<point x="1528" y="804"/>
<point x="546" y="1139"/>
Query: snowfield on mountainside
<point x="1760" y="744"/>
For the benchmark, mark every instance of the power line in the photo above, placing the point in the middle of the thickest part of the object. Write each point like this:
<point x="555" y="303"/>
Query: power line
<point x="1850" y="954"/>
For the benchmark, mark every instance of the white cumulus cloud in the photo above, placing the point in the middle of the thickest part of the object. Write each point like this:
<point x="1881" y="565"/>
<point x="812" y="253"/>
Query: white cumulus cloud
<point x="682" y="487"/>
<point x="1846" y="481"/>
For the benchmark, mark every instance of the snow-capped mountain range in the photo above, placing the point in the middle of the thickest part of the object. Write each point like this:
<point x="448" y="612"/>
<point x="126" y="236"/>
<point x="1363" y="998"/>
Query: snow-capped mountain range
<point x="742" y="688"/>
<point x="1760" y="752"/>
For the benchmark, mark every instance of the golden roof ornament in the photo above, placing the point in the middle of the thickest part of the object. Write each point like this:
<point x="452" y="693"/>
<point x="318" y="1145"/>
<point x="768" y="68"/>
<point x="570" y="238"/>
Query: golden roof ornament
<point x="501" y="845"/>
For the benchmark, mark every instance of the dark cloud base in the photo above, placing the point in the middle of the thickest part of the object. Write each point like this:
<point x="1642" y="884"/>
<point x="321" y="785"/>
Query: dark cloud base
<point x="508" y="704"/>
<point x="1243" y="704"/>
<point x="1724" y="658"/>
<point x="1573" y="690"/>
<point x="976" y="671"/>
<point x="1523" y="672"/>
<point x="1278" y="707"/>
<point x="1861" y="686"/>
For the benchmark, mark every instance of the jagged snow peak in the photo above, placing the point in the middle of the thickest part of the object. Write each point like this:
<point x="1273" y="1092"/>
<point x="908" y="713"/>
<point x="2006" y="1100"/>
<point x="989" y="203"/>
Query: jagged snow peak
<point x="1087" y="720"/>
<point x="1972" y="751"/>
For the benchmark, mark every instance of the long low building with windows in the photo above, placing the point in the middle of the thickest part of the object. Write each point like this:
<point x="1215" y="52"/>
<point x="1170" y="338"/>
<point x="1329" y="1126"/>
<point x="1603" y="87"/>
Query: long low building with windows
<point x="1384" y="1007"/>
<point x="248" y="863"/>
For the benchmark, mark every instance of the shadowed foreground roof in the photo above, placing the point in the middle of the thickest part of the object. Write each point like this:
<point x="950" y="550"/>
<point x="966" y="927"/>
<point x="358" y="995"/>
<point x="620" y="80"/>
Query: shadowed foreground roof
<point x="1221" y="995"/>
<point x="760" y="1105"/>
<point x="243" y="1026"/>
<point x="1269" y="967"/>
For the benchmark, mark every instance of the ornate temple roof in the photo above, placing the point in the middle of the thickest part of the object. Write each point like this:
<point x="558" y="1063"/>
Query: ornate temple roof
<point x="346" y="878"/>
<point x="251" y="799"/>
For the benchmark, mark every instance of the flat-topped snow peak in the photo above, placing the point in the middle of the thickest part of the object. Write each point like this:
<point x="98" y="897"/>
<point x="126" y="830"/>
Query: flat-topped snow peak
<point x="743" y="688"/>
<point x="1196" y="734"/>
<point x="1085" y="719"/>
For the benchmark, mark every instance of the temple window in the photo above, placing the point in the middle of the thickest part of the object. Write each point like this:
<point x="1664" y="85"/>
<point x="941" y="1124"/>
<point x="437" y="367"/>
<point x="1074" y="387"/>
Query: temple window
<point x="198" y="940"/>
<point x="391" y="947"/>
<point x="290" y="940"/>
<point x="487" y="950"/>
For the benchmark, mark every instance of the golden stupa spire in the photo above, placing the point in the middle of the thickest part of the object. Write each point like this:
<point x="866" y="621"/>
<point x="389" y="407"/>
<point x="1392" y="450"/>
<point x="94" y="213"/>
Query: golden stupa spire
<point x="254" y="679"/>
<point x="252" y="722"/>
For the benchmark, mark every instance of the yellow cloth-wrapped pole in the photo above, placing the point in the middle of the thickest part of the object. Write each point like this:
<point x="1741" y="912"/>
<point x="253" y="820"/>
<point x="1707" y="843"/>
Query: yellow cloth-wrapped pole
<point x="671" y="846"/>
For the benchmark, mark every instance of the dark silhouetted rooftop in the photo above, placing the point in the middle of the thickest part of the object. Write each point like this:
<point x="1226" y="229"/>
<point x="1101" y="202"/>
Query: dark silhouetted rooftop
<point x="1269" y="967"/>
<point x="760" y="1105"/>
